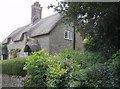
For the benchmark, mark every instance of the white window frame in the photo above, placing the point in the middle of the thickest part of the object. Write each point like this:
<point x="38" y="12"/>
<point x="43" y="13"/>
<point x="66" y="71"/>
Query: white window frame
<point x="69" y="35"/>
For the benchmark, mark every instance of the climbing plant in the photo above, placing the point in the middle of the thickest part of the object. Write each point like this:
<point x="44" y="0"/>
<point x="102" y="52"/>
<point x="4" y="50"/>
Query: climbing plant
<point x="14" y="52"/>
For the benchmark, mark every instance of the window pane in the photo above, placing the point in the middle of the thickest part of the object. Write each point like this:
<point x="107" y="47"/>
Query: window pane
<point x="66" y="35"/>
<point x="70" y="35"/>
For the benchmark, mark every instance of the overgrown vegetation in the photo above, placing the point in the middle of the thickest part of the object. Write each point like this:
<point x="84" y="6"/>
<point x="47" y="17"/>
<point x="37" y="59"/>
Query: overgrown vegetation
<point x="37" y="67"/>
<point x="13" y="66"/>
<point x="72" y="69"/>
<point x="98" y="22"/>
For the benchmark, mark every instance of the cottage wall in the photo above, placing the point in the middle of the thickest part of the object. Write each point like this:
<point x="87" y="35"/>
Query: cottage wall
<point x="15" y="45"/>
<point x="57" y="41"/>
<point x="43" y="42"/>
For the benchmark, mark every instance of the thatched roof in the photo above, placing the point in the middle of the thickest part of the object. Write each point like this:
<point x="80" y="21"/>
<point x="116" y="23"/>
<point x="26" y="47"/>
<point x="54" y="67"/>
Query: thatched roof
<point x="43" y="26"/>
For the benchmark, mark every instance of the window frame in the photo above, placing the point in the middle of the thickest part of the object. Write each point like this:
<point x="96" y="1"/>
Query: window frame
<point x="69" y="35"/>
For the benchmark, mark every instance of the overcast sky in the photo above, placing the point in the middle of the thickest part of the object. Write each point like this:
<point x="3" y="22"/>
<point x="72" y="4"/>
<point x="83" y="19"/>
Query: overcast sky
<point x="17" y="13"/>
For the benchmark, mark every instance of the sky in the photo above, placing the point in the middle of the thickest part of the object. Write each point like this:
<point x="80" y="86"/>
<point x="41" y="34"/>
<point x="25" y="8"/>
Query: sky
<point x="17" y="13"/>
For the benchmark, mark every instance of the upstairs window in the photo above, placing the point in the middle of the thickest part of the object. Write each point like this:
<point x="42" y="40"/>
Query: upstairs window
<point x="68" y="35"/>
<point x="26" y="35"/>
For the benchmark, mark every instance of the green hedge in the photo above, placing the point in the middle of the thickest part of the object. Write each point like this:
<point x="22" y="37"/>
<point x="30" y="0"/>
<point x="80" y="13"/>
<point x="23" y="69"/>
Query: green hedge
<point x="14" y="66"/>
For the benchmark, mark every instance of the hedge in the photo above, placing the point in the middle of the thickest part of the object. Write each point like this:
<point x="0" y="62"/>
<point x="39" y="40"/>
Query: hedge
<point x="14" y="66"/>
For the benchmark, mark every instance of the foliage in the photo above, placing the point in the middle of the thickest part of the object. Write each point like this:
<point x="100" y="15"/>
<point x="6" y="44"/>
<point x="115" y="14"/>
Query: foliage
<point x="99" y="75"/>
<point x="14" y="52"/>
<point x="13" y="66"/>
<point x="93" y="70"/>
<point x="97" y="20"/>
<point x="60" y="69"/>
<point x="69" y="69"/>
<point x="55" y="72"/>
<point x="0" y="67"/>
<point x="36" y="67"/>
<point x="90" y="70"/>
<point x="115" y="64"/>
<point x="0" y="50"/>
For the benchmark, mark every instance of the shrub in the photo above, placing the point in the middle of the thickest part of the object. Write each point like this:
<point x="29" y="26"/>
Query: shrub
<point x="98" y="75"/>
<point x="0" y="67"/>
<point x="46" y="71"/>
<point x="14" y="66"/>
<point x="69" y="69"/>
<point x="60" y="69"/>
<point x="115" y="65"/>
<point x="78" y="64"/>
<point x="36" y="67"/>
<point x="87" y="70"/>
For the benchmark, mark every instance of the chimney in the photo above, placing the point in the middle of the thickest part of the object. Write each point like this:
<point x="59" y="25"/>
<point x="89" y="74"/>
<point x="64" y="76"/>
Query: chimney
<point x="36" y="12"/>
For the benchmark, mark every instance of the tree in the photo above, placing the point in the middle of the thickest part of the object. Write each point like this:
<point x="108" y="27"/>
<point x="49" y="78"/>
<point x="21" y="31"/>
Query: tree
<point x="98" y="21"/>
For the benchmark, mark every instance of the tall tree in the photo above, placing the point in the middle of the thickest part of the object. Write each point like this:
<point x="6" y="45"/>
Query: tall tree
<point x="99" y="22"/>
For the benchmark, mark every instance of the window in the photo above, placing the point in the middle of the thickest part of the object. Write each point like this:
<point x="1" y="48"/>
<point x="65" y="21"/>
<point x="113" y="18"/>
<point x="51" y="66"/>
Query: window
<point x="11" y="41"/>
<point x="68" y="35"/>
<point x="25" y="54"/>
<point x="26" y="35"/>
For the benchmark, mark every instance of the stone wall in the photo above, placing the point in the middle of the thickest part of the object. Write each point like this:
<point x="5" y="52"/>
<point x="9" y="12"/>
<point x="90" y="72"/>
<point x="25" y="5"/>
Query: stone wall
<point x="11" y="81"/>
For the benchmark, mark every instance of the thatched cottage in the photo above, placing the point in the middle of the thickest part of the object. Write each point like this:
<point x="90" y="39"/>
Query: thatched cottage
<point x="49" y="33"/>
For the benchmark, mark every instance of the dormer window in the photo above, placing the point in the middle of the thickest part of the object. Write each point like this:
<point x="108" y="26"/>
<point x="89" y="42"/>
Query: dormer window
<point x="11" y="42"/>
<point x="26" y="35"/>
<point x="68" y="35"/>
